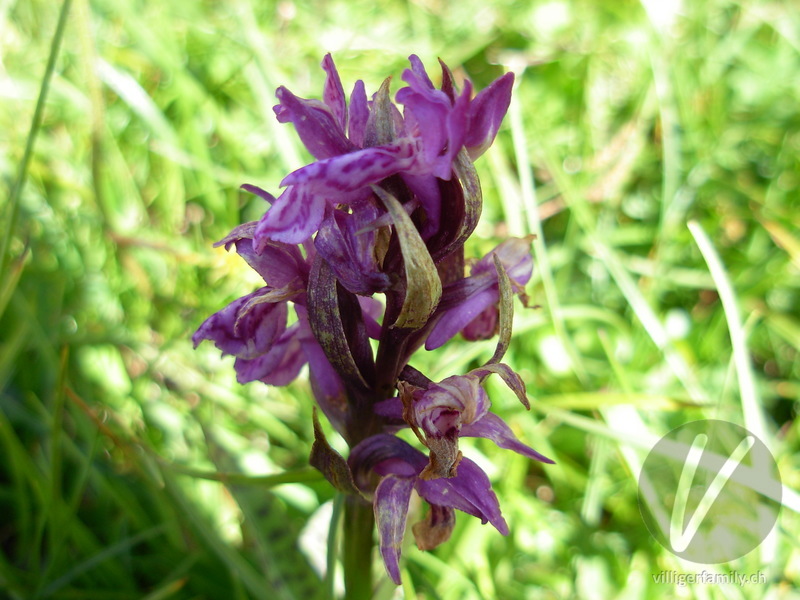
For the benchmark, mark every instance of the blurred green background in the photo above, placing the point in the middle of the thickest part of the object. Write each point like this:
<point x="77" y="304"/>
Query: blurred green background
<point x="630" y="120"/>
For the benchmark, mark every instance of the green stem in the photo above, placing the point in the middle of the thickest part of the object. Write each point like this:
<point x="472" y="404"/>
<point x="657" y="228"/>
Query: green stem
<point x="333" y="545"/>
<point x="359" y="522"/>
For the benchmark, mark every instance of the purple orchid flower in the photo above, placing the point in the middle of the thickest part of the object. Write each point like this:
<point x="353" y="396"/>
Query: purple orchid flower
<point x="470" y="305"/>
<point x="400" y="465"/>
<point x="247" y="327"/>
<point x="385" y="208"/>
<point x="253" y="327"/>
<point x="457" y="406"/>
<point x="352" y="154"/>
<point x="424" y="105"/>
<point x="439" y="414"/>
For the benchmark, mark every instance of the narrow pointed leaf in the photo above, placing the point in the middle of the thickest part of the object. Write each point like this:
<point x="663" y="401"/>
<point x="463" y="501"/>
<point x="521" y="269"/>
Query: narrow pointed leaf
<point x="506" y="309"/>
<point x="449" y="86"/>
<point x="381" y="125"/>
<point x="512" y="379"/>
<point x="423" y="286"/>
<point x="325" y="319"/>
<point x="473" y="198"/>
<point x="462" y="202"/>
<point x="330" y="463"/>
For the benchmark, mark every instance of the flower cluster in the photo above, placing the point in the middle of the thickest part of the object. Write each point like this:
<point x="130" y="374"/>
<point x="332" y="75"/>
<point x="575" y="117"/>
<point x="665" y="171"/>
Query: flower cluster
<point x="367" y="243"/>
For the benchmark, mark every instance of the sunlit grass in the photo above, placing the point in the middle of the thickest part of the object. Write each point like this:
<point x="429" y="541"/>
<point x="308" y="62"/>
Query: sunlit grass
<point x="627" y="124"/>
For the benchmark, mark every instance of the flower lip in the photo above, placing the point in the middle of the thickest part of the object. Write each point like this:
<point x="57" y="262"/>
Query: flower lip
<point x="279" y="366"/>
<point x="447" y="405"/>
<point x="247" y="327"/>
<point x="469" y="491"/>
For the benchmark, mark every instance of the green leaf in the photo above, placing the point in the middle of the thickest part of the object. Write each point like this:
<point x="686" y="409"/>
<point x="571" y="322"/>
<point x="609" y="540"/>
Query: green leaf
<point x="511" y="378"/>
<point x="423" y="286"/>
<point x="325" y="318"/>
<point x="380" y="126"/>
<point x="506" y="309"/>
<point x="330" y="463"/>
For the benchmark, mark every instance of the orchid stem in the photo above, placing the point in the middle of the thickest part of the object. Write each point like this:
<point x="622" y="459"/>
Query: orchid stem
<point x="359" y="523"/>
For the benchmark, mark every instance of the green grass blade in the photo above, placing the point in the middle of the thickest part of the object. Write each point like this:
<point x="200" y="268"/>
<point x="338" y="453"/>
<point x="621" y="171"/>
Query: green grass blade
<point x="12" y="208"/>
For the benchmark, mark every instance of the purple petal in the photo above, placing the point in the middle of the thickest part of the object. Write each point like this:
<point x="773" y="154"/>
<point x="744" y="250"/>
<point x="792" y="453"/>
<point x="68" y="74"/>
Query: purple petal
<point x="464" y="302"/>
<point x="317" y="127"/>
<point x="482" y="327"/>
<point x="514" y="255"/>
<point x="386" y="454"/>
<point x="449" y="403"/>
<point x="391" y="509"/>
<point x="440" y="123"/>
<point x="486" y="112"/>
<point x="359" y="114"/>
<point x="461" y="290"/>
<point x="492" y="427"/>
<point x="458" y="317"/>
<point x="469" y="491"/>
<point x="399" y="466"/>
<point x="329" y="392"/>
<point x="294" y="217"/>
<point x="254" y="189"/>
<point x="279" y="366"/>
<point x="278" y="263"/>
<point x="428" y="111"/>
<point x="355" y="170"/>
<point x="333" y="93"/>
<point x="247" y="327"/>
<point x="457" y="128"/>
<point x="418" y="69"/>
<point x="352" y="256"/>
<point x="426" y="189"/>
<point x="372" y="311"/>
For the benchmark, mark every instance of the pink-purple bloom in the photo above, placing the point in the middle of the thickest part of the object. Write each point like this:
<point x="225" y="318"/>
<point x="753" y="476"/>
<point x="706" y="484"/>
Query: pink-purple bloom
<point x="400" y="466"/>
<point x="366" y="244"/>
<point x="469" y="305"/>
